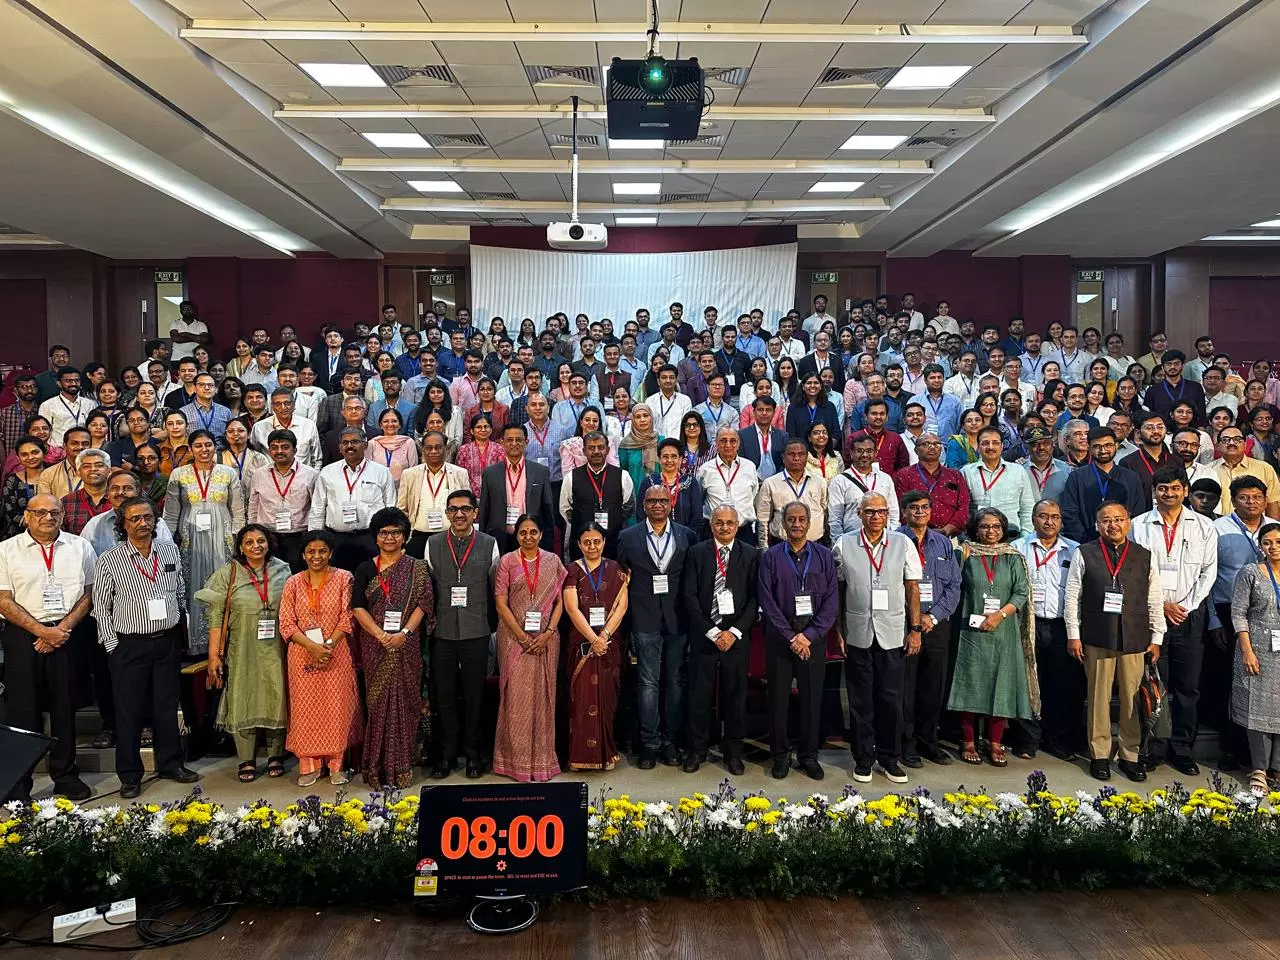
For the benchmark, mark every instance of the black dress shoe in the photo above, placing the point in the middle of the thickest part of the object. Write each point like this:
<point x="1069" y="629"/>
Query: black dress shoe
<point x="669" y="756"/>
<point x="937" y="755"/>
<point x="781" y="767"/>
<point x="692" y="762"/>
<point x="130" y="791"/>
<point x="1185" y="766"/>
<point x="181" y="775"/>
<point x="1062" y="753"/>
<point x="735" y="766"/>
<point x="1150" y="764"/>
<point x="813" y="768"/>
<point x="1100" y="769"/>
<point x="74" y="790"/>
<point x="1132" y="769"/>
<point x="474" y="770"/>
<point x="441" y="770"/>
<point x="648" y="760"/>
<point x="912" y="760"/>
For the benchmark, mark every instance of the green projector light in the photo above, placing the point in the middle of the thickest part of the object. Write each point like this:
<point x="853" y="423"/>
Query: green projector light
<point x="654" y="75"/>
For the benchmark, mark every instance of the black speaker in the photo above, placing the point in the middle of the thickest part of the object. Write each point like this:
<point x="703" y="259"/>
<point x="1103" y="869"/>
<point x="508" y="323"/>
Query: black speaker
<point x="639" y="108"/>
<point x="20" y="751"/>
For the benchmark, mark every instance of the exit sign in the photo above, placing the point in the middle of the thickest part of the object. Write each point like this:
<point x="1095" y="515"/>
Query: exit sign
<point x="441" y="279"/>
<point x="1089" y="276"/>
<point x="168" y="276"/>
<point x="824" y="278"/>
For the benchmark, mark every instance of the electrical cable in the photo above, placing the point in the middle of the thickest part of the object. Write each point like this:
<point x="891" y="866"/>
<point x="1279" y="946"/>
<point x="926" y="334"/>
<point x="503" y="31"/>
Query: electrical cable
<point x="151" y="928"/>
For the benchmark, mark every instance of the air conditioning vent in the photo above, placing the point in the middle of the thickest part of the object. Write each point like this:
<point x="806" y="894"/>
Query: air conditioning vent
<point x="708" y="141"/>
<point x="584" y="140"/>
<point x="428" y="75"/>
<point x="729" y="76"/>
<point x="684" y="198"/>
<point x="844" y="78"/>
<point x="508" y="221"/>
<point x="940" y="142"/>
<point x="762" y="220"/>
<point x="493" y="196"/>
<point x="455" y="140"/>
<point x="546" y="76"/>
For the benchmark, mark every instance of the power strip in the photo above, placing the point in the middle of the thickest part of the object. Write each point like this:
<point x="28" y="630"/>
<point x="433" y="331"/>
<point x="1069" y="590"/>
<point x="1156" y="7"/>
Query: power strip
<point x="85" y="923"/>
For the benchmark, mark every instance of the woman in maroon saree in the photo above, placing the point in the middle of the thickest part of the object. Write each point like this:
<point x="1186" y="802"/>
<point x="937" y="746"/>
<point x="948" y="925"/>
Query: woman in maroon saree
<point x="595" y="598"/>
<point x="394" y="608"/>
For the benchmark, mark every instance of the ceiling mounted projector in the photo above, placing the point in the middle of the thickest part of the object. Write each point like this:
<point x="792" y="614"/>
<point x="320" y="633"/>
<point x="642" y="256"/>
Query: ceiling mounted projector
<point x="577" y="236"/>
<point x="655" y="98"/>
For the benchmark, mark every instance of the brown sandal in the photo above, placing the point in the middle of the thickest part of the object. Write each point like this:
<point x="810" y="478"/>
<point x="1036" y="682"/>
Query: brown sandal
<point x="998" y="759"/>
<point x="969" y="753"/>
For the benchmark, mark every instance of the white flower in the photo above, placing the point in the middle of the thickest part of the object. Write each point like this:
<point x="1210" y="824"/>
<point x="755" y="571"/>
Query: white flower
<point x="289" y="826"/>
<point x="376" y="824"/>
<point x="1011" y="800"/>
<point x="1084" y="797"/>
<point x="113" y="879"/>
<point x="795" y="812"/>
<point x="656" y="809"/>
<point x="593" y="821"/>
<point x="818" y="798"/>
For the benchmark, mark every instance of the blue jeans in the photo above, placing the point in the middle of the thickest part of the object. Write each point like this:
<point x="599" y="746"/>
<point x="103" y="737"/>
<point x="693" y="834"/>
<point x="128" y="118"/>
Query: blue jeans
<point x="656" y="652"/>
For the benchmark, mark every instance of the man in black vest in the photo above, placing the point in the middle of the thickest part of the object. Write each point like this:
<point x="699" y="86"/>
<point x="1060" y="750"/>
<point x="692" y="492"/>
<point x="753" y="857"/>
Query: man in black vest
<point x="529" y="482"/>
<point x="1114" y="602"/>
<point x="598" y="491"/>
<point x="654" y="553"/>
<point x="719" y="599"/>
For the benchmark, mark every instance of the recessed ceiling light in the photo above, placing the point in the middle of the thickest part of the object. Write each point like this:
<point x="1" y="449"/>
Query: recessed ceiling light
<point x="636" y="144"/>
<point x="398" y="141"/>
<point x="435" y="186"/>
<point x="836" y="186"/>
<point x="1240" y="237"/>
<point x="862" y="141"/>
<point x="1268" y="223"/>
<point x="926" y="78"/>
<point x="635" y="221"/>
<point x="343" y="74"/>
<point x="637" y="189"/>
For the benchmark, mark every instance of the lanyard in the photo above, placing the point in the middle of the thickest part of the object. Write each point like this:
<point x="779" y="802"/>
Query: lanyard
<point x="71" y="487"/>
<point x="920" y="547"/>
<point x="351" y="484"/>
<point x="808" y="558"/>
<point x="1182" y="386"/>
<point x="465" y="555"/>
<point x="724" y="573"/>
<point x="435" y="491"/>
<point x="1035" y="367"/>
<point x="537" y="572"/>
<point x="799" y="493"/>
<point x="865" y="488"/>
<point x="238" y="461"/>
<point x="990" y="571"/>
<point x="871" y="558"/>
<point x="930" y="484"/>
<point x="1102" y="486"/>
<point x="275" y="478"/>
<point x="382" y="581"/>
<point x="206" y="422"/>
<point x="1041" y="481"/>
<point x="666" y="543"/>
<point x="513" y="484"/>
<point x="935" y="406"/>
<point x="765" y="436"/>
<point x="1151" y="467"/>
<point x="812" y="411"/>
<point x="72" y="411"/>
<point x="388" y="454"/>
<point x="719" y="413"/>
<point x="540" y="437"/>
<point x="1275" y="587"/>
<point x="1036" y="548"/>
<point x="155" y="566"/>
<point x="1170" y="535"/>
<point x="728" y="484"/>
<point x="673" y="489"/>
<point x="264" y="589"/>
<point x="203" y="487"/>
<point x="1106" y="558"/>
<point x="1245" y="530"/>
<point x="597" y="487"/>
<point x="313" y="593"/>
<point x="663" y="411"/>
<point x="597" y="581"/>
<point x="982" y="477"/>
<point x="47" y="556"/>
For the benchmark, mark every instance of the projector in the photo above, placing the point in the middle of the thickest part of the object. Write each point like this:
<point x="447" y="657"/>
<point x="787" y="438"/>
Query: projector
<point x="577" y="236"/>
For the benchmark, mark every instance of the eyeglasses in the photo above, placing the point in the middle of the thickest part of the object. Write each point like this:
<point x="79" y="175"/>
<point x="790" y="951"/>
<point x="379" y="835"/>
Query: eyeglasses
<point x="990" y="527"/>
<point x="42" y="514"/>
<point x="1231" y="439"/>
<point x="140" y="518"/>
<point x="393" y="534"/>
<point x="464" y="509"/>
<point x="876" y="511"/>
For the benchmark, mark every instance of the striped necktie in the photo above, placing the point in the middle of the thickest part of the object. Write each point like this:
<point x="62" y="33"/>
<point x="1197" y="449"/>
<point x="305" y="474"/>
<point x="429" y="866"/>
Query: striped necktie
<point x="721" y="568"/>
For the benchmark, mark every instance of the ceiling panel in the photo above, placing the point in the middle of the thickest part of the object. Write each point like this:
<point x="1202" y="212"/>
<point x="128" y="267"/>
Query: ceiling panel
<point x="410" y="53"/>
<point x="1057" y="12"/>
<point x="893" y="11"/>
<point x="379" y="9"/>
<point x="446" y="11"/>
<point x="808" y="11"/>
<point x="976" y="11"/>
<point x="297" y="9"/>
<point x="552" y="10"/>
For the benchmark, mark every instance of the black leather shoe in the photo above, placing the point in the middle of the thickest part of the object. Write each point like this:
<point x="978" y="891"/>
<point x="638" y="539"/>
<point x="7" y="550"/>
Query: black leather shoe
<point x="648" y="760"/>
<point x="474" y="770"/>
<point x="1100" y="769"/>
<point x="181" y="775"/>
<point x="692" y="762"/>
<point x="913" y="761"/>
<point x="1062" y="753"/>
<point x="937" y="755"/>
<point x="74" y="790"/>
<point x="441" y="770"/>
<point x="781" y="767"/>
<point x="1150" y="764"/>
<point x="735" y="766"/>
<point x="130" y="791"/>
<point x="813" y="768"/>
<point x="670" y="756"/>
<point x="1132" y="769"/>
<point x="1185" y="766"/>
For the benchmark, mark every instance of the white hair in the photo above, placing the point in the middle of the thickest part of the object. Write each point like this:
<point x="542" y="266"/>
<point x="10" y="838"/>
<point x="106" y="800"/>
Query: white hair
<point x="93" y="453"/>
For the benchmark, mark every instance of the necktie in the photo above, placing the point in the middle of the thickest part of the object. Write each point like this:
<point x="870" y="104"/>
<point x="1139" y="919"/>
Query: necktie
<point x="722" y="566"/>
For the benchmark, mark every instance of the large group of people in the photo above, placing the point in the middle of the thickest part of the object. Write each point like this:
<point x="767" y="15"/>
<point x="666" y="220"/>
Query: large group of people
<point x="990" y="531"/>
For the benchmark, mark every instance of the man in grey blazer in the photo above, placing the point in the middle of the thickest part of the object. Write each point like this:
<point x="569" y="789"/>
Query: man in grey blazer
<point x="881" y="571"/>
<point x="499" y="510"/>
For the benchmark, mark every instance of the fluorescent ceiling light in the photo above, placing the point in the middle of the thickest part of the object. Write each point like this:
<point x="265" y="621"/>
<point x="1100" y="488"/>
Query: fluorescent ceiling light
<point x="635" y="221"/>
<point x="637" y="189"/>
<point x="636" y="144"/>
<point x="343" y="74"/>
<point x="436" y="186"/>
<point x="873" y="142"/>
<point x="926" y="78"/>
<point x="836" y="186"/>
<point x="1239" y="237"/>
<point x="398" y="141"/>
<point x="1268" y="223"/>
<point x="1085" y="297"/>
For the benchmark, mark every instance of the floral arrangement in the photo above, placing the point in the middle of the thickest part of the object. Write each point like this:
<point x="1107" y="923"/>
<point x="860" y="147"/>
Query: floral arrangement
<point x="706" y="845"/>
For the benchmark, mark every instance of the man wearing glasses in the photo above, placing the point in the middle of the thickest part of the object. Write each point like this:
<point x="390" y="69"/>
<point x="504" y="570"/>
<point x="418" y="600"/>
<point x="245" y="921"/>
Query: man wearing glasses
<point x="346" y="495"/>
<point x="1234" y="464"/>
<point x="46" y="584"/>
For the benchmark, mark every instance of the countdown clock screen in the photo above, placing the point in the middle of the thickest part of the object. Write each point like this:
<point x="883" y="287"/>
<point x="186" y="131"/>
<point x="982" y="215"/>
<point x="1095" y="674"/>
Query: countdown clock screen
<point x="508" y="838"/>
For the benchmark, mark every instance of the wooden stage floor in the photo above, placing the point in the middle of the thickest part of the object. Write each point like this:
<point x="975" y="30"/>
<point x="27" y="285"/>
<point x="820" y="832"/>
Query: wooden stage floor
<point x="1113" y="924"/>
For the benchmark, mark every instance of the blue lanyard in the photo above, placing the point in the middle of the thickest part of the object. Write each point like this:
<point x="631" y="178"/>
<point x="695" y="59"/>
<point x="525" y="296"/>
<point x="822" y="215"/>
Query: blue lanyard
<point x="207" y="424"/>
<point x="719" y="414"/>
<point x="803" y="575"/>
<point x="924" y="477"/>
<point x="936" y="406"/>
<point x="799" y="493"/>
<point x="596" y="582"/>
<point x="1104" y="487"/>
<point x="666" y="543"/>
<point x="1182" y="386"/>
<point x="240" y="462"/>
<point x="1257" y="551"/>
<point x="813" y="413"/>
<point x="1275" y="587"/>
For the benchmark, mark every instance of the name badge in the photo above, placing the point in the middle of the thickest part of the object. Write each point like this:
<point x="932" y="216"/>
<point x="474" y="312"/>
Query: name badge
<point x="52" y="599"/>
<point x="1112" y="601"/>
<point x="991" y="604"/>
<point x="608" y="403"/>
<point x="533" y="621"/>
<point x="724" y="600"/>
<point x="879" y="599"/>
<point x="659" y="583"/>
<point x="1275" y="641"/>
<point x="545" y="461"/>
<point x="976" y="620"/>
<point x="602" y="518"/>
<point x="733" y="379"/>
<point x="513" y="514"/>
<point x="316" y="635"/>
<point x="1168" y="577"/>
<point x="457" y="596"/>
<point x="350" y="513"/>
<point x="204" y="522"/>
<point x="284" y="520"/>
<point x="391" y="621"/>
<point x="804" y="605"/>
<point x="1038" y="594"/>
<point x="595" y="616"/>
<point x="435" y="520"/>
<point x="926" y="591"/>
<point x="157" y="610"/>
<point x="266" y="629"/>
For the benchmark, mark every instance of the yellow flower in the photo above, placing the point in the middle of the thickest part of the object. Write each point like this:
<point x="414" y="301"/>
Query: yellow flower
<point x="178" y="829"/>
<point x="1220" y="818"/>
<point x="772" y="817"/>
<point x="13" y="838"/>
<point x="63" y="805"/>
<point x="640" y="824"/>
<point x="756" y="804"/>
<point x="202" y="841"/>
<point x="152" y="808"/>
<point x="610" y="832"/>
<point x="752" y="826"/>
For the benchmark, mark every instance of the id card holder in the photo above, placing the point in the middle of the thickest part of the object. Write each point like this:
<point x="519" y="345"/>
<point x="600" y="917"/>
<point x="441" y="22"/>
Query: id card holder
<point x="724" y="601"/>
<point x="350" y="514"/>
<point x="435" y="521"/>
<point x="157" y="610"/>
<point x="595" y="617"/>
<point x="1112" y="601"/>
<point x="991" y="604"/>
<point x="457" y="596"/>
<point x="533" y="621"/>
<point x="284" y="520"/>
<point x="1038" y="594"/>
<point x="1168" y="576"/>
<point x="1275" y="641"/>
<point x="804" y="605"/>
<point x="54" y="603"/>
<point x="513" y="514"/>
<point x="204" y="521"/>
<point x="660" y="583"/>
<point x="316" y="635"/>
<point x="602" y="518"/>
<point x="266" y="629"/>
<point x="926" y="591"/>
<point x="879" y="599"/>
<point x="391" y="620"/>
<point x="608" y="403"/>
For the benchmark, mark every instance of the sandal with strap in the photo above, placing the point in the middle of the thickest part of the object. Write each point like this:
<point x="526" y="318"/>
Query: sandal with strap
<point x="998" y="759"/>
<point x="275" y="767"/>
<point x="247" y="772"/>
<point x="1258" y="784"/>
<point x="969" y="753"/>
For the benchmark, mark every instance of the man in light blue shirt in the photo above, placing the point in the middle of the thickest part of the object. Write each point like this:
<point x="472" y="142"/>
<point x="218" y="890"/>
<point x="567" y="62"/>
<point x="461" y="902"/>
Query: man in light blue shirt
<point x="715" y="412"/>
<point x="566" y="412"/>
<point x="748" y="342"/>
<point x="994" y="483"/>
<point x="941" y="410"/>
<point x="1033" y="362"/>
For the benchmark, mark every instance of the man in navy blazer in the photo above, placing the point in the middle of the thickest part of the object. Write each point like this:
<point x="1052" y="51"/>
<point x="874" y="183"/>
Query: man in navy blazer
<point x="654" y="553"/>
<point x="761" y="434"/>
<point x="496" y="482"/>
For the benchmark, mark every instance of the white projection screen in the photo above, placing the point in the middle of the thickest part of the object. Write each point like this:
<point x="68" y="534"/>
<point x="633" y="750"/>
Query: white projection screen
<point x="514" y="284"/>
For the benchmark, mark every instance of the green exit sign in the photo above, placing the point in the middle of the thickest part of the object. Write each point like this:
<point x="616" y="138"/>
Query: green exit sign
<point x="825" y="278"/>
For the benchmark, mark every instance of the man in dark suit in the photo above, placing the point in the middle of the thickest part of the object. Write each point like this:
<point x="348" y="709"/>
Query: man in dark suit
<point x="596" y="491"/>
<point x="762" y="443"/>
<point x="654" y="553"/>
<point x="330" y="413"/>
<point x="518" y="476"/>
<point x="719" y="599"/>
<point x="820" y="359"/>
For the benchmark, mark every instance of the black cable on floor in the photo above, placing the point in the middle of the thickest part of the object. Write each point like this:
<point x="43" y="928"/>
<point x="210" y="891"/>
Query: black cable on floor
<point x="151" y="927"/>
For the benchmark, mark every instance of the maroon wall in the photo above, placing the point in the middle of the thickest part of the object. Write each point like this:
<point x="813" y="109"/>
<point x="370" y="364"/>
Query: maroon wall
<point x="645" y="239"/>
<point x="1240" y="312"/>
<point x="234" y="296"/>
<point x="24" y="314"/>
<point x="988" y="289"/>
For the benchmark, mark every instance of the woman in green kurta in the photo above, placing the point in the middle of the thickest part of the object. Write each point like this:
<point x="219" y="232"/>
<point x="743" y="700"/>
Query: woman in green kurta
<point x="248" y="656"/>
<point x="995" y="675"/>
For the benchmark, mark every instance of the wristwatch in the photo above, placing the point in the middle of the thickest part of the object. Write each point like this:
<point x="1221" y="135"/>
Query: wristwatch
<point x="915" y="628"/>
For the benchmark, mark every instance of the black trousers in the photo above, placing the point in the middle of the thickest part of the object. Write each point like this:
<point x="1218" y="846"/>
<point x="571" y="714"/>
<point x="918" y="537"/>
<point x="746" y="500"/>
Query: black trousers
<point x="291" y="549"/>
<point x="1063" y="689"/>
<point x="1215" y="690"/>
<point x="873" y="678"/>
<point x="417" y="545"/>
<point x="705" y="659"/>
<point x="91" y="653"/>
<point x="924" y="692"/>
<point x="1179" y="665"/>
<point x="460" y="667"/>
<point x="145" y="675"/>
<point x="35" y="684"/>
<point x="781" y="666"/>
<point x="353" y="549"/>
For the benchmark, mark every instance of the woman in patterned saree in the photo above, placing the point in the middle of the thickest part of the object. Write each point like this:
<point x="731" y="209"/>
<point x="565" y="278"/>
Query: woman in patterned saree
<point x="394" y="609"/>
<point x="595" y="598"/>
<point x="527" y="588"/>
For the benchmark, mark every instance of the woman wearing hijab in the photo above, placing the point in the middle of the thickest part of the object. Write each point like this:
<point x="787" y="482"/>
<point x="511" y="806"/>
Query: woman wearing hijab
<point x="638" y="449"/>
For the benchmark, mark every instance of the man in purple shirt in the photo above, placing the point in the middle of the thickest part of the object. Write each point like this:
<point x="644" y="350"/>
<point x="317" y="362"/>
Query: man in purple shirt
<point x="799" y="602"/>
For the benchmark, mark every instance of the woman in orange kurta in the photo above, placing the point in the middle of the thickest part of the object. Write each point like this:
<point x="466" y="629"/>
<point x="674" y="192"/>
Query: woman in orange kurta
<point x="324" y="705"/>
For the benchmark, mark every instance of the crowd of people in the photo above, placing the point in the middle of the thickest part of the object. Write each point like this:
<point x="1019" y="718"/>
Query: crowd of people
<point x="992" y="531"/>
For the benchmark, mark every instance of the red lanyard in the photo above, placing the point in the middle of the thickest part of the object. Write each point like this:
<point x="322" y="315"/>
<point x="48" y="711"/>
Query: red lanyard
<point x="1151" y="467"/>
<point x="1106" y="558"/>
<point x="382" y="581"/>
<point x="598" y="487"/>
<point x="435" y="491"/>
<point x="728" y="484"/>
<point x="1041" y="481"/>
<point x="313" y="593"/>
<point x="48" y="555"/>
<point x="203" y="487"/>
<point x="1047" y="557"/>
<point x="537" y="571"/>
<point x="454" y="553"/>
<point x="673" y="490"/>
<point x="293" y="473"/>
<point x="920" y="549"/>
<point x="990" y="571"/>
<point x="884" y="543"/>
<point x="155" y="566"/>
<point x="720" y="563"/>
<point x="1170" y="535"/>
<point x="264" y="588"/>
<point x="351" y="484"/>
<point x="512" y="484"/>
<point x="765" y="435"/>
<point x="982" y="475"/>
<point x="540" y="437"/>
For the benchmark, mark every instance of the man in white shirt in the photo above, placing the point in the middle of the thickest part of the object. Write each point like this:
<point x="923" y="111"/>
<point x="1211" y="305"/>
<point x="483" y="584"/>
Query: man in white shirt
<point x="668" y="406"/>
<point x="68" y="409"/>
<point x="813" y="323"/>
<point x="964" y="385"/>
<point x="187" y="332"/>
<point x="909" y="307"/>
<point x="424" y="492"/>
<point x="796" y="481"/>
<point x="791" y="346"/>
<point x="1073" y="363"/>
<point x="1213" y="380"/>
<point x="347" y="494"/>
<point x="730" y="479"/>
<point x="1012" y="380"/>
<point x="846" y="490"/>
<point x="284" y="418"/>
<point x="1184" y="550"/>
